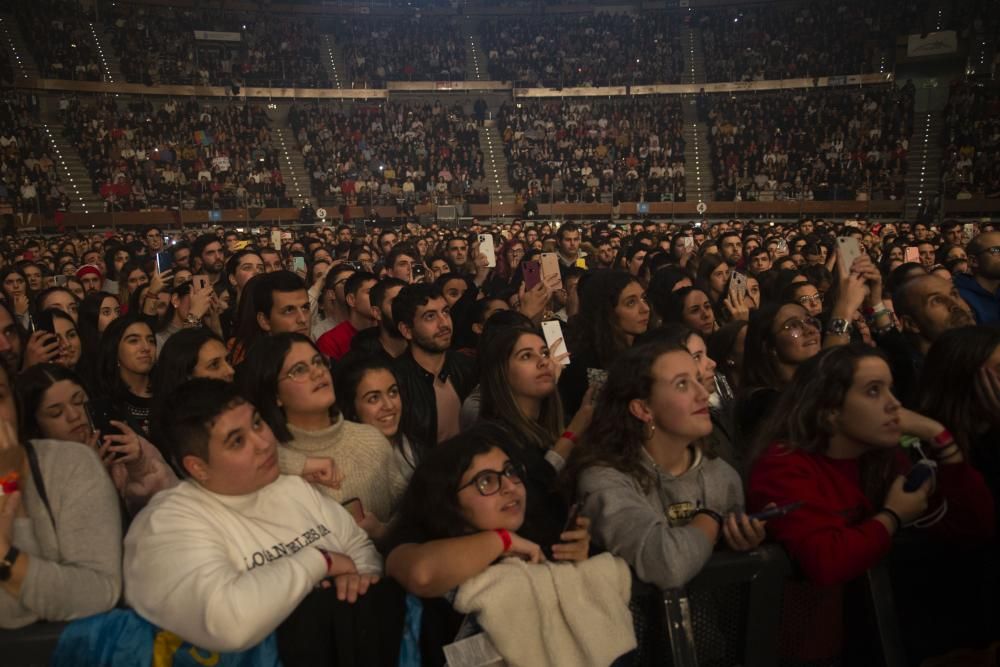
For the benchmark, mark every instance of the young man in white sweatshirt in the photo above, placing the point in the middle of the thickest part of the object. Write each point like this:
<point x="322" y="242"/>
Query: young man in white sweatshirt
<point x="223" y="559"/>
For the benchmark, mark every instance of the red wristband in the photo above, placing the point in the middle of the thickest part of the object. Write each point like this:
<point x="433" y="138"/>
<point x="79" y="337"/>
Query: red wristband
<point x="943" y="439"/>
<point x="327" y="557"/>
<point x="505" y="536"/>
<point x="569" y="435"/>
<point x="9" y="484"/>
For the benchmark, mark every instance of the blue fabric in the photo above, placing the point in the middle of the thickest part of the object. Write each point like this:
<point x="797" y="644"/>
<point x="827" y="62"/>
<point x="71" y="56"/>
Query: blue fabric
<point x="986" y="306"/>
<point x="409" y="645"/>
<point x="122" y="638"/>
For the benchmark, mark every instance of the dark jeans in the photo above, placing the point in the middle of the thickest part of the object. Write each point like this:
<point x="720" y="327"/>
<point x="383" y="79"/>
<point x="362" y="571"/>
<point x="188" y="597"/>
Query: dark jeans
<point x="325" y="632"/>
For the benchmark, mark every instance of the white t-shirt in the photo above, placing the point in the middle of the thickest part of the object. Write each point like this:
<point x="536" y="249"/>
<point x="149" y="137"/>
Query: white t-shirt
<point x="223" y="572"/>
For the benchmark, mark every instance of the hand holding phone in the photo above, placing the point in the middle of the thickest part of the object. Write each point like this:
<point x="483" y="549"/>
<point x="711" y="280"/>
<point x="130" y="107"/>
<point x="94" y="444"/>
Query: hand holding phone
<point x="486" y="248"/>
<point x="532" y="272"/>
<point x="552" y="331"/>
<point x="848" y="250"/>
<point x="775" y="512"/>
<point x="911" y="255"/>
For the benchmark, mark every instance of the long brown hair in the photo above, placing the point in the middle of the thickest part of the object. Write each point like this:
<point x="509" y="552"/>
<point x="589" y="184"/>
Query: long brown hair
<point x="615" y="436"/>
<point x="498" y="400"/>
<point x="801" y="420"/>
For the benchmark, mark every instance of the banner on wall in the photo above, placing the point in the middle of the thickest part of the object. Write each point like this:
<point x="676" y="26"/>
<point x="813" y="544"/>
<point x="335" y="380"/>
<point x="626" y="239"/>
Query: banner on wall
<point x="216" y="36"/>
<point x="932" y="44"/>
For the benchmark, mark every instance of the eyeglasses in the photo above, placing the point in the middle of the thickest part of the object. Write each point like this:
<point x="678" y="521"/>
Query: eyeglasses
<point x="302" y="371"/>
<point x="995" y="250"/>
<point x="488" y="482"/>
<point x="797" y="327"/>
<point x="810" y="298"/>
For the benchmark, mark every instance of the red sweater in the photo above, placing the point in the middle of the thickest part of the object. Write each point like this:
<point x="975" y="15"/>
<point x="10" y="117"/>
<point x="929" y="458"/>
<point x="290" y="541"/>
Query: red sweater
<point x="336" y="342"/>
<point x="833" y="536"/>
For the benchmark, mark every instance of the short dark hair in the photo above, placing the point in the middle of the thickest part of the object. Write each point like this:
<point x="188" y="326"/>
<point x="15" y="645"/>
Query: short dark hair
<point x="202" y="242"/>
<point x="411" y="297"/>
<point x="258" y="297"/>
<point x="356" y="281"/>
<point x="397" y="251"/>
<point x="377" y="295"/>
<point x="193" y="408"/>
<point x="565" y="229"/>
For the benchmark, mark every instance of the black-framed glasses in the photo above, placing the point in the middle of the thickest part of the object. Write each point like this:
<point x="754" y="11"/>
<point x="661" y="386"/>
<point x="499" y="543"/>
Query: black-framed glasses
<point x="488" y="482"/>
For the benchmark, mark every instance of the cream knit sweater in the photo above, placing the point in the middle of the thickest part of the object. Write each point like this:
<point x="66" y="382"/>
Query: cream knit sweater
<point x="363" y="455"/>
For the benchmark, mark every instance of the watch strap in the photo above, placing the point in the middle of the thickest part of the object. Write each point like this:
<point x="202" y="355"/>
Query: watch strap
<point x="7" y="563"/>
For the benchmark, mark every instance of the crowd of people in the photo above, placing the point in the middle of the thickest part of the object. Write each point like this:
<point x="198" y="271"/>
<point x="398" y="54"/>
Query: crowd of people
<point x="353" y="440"/>
<point x="765" y="42"/>
<point x="820" y="144"/>
<point x="585" y="150"/>
<point x="383" y="49"/>
<point x="159" y="45"/>
<point x="390" y="153"/>
<point x="60" y="37"/>
<point x="971" y="142"/>
<point x="29" y="180"/>
<point x="178" y="153"/>
<point x="583" y="50"/>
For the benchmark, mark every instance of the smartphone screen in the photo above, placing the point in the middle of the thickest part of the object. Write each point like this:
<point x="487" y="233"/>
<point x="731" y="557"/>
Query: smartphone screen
<point x="298" y="263"/>
<point x="911" y="254"/>
<point x="43" y="322"/>
<point x="486" y="248"/>
<point x="550" y="271"/>
<point x="738" y="286"/>
<point x="199" y="282"/>
<point x="164" y="261"/>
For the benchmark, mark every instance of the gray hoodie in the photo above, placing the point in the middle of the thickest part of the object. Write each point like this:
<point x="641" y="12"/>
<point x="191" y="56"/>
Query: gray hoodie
<point x="650" y="531"/>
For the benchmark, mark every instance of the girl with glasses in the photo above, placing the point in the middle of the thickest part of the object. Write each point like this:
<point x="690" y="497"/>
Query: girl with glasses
<point x="464" y="510"/>
<point x="288" y="379"/>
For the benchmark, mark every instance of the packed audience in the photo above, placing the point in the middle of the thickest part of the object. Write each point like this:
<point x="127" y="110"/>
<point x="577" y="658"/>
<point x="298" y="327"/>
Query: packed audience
<point x="587" y="50"/>
<point x="157" y="45"/>
<point x="177" y="153"/>
<point x="378" y="50"/>
<point x="271" y="444"/>
<point x="587" y="150"/>
<point x="971" y="142"/>
<point x="390" y="153"/>
<point x="29" y="181"/>
<point x="58" y="34"/>
<point x="820" y="144"/>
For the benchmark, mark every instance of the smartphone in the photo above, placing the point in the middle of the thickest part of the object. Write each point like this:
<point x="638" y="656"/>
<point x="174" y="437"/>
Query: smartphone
<point x="738" y="286"/>
<point x="911" y="254"/>
<point x="848" y="250"/>
<point x="532" y="272"/>
<point x="100" y="412"/>
<point x="61" y="280"/>
<point x="782" y="247"/>
<point x="164" y="261"/>
<point x="552" y="330"/>
<point x="774" y="512"/>
<point x="200" y="282"/>
<point x="43" y="322"/>
<point x="276" y="240"/>
<point x="574" y="512"/>
<point x="550" y="271"/>
<point x="299" y="264"/>
<point x="918" y="474"/>
<point x="486" y="247"/>
<point x="418" y="271"/>
<point x="688" y="243"/>
<point x="354" y="508"/>
<point x="596" y="378"/>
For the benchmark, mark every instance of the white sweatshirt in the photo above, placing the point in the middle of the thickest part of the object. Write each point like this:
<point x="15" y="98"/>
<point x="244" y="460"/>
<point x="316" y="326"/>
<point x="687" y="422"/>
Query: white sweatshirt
<point x="223" y="572"/>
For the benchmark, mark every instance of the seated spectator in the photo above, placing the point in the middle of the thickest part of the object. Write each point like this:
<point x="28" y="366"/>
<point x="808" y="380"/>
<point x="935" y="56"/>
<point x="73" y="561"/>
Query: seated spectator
<point x="654" y="497"/>
<point x="288" y="378"/>
<point x="248" y="567"/>
<point x="62" y="559"/>
<point x="971" y="151"/>
<point x="55" y="407"/>
<point x="410" y="49"/>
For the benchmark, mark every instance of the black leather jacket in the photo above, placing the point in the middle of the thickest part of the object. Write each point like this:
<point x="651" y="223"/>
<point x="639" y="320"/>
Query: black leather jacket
<point x="416" y="388"/>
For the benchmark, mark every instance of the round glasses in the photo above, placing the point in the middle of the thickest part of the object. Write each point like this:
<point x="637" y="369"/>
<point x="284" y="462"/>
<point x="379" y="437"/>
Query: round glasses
<point x="810" y="298"/>
<point x="302" y="371"/>
<point x="488" y="482"/>
<point x="796" y="327"/>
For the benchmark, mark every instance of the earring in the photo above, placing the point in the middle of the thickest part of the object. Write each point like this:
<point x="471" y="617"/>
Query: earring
<point x="651" y="430"/>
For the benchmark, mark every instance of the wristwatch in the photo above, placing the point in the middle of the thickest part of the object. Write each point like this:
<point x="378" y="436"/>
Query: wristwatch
<point x="7" y="563"/>
<point x="839" y="327"/>
<point x="192" y="321"/>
